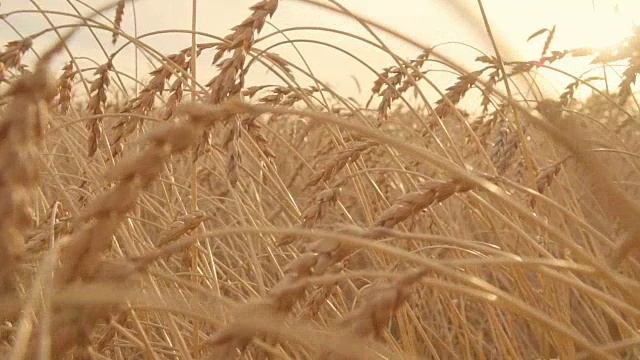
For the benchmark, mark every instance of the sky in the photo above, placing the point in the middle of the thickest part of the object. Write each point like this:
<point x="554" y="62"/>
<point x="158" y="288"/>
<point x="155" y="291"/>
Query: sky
<point x="454" y="25"/>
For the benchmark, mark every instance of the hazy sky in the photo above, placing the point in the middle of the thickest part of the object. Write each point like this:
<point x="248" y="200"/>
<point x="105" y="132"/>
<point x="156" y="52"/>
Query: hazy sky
<point x="579" y="23"/>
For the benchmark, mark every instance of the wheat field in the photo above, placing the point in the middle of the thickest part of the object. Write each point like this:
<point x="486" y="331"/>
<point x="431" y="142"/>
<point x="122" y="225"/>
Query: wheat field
<point x="218" y="219"/>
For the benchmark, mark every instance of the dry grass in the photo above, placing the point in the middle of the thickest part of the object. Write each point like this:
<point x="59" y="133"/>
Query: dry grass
<point x="215" y="220"/>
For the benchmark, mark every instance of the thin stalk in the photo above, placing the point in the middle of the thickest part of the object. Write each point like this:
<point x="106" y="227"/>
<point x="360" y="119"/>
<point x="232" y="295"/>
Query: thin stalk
<point x="194" y="168"/>
<point x="531" y="170"/>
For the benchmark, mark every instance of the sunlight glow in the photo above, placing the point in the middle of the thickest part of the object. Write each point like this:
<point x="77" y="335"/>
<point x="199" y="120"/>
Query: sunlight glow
<point x="607" y="23"/>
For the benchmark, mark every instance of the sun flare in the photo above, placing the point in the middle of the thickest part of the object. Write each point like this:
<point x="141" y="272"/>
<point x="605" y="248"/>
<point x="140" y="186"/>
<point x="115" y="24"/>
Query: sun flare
<point x="603" y="24"/>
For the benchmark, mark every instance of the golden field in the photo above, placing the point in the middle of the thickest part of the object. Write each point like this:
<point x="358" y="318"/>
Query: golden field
<point x="210" y="219"/>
